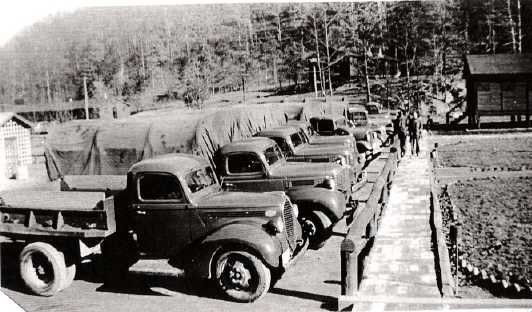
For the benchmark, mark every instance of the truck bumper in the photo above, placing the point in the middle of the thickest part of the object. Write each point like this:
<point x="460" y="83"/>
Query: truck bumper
<point x="289" y="257"/>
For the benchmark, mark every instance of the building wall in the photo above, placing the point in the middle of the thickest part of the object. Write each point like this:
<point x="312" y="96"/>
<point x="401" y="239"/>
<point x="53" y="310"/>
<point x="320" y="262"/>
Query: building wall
<point x="500" y="97"/>
<point x="21" y="135"/>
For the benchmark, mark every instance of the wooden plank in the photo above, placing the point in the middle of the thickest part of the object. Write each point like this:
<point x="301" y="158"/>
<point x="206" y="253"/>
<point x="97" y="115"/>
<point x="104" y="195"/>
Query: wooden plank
<point x="363" y="193"/>
<point x="55" y="200"/>
<point x="498" y="302"/>
<point x="94" y="183"/>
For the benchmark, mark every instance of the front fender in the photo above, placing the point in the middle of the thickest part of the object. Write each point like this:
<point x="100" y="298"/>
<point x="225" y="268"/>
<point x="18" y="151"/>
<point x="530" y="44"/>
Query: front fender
<point x="249" y="237"/>
<point x="332" y="203"/>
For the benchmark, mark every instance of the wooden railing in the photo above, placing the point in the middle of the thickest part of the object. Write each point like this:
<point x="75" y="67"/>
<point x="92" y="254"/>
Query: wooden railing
<point x="371" y="200"/>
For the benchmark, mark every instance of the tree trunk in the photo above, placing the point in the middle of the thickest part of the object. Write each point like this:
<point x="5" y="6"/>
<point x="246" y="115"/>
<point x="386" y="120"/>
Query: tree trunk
<point x="519" y="28"/>
<point x="48" y="95"/>
<point x="366" y="75"/>
<point x="142" y="62"/>
<point x="322" y="85"/>
<point x="512" y="25"/>
<point x="328" y="54"/>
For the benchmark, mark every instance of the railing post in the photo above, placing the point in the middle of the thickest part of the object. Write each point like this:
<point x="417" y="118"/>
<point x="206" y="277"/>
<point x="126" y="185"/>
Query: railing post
<point x="349" y="267"/>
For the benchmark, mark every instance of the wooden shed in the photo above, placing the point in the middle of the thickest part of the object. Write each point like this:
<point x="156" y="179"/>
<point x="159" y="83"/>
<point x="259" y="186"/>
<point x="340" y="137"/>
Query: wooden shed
<point x="15" y="143"/>
<point x="498" y="84"/>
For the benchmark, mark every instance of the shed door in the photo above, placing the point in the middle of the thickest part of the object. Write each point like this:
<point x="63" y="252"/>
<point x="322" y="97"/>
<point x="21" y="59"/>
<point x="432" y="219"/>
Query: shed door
<point x="11" y="156"/>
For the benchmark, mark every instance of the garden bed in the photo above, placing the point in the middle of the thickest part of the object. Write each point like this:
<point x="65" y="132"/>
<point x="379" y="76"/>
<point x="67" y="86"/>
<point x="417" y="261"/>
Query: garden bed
<point x="495" y="222"/>
<point x="512" y="151"/>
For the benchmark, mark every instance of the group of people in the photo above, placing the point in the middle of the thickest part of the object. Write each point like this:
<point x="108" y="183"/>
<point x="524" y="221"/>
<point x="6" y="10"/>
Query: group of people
<point x="408" y="125"/>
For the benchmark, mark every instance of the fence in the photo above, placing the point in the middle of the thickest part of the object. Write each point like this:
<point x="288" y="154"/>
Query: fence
<point x="371" y="198"/>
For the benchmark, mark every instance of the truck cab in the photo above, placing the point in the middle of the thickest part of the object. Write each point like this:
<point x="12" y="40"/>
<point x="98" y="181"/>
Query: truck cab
<point x="321" y="190"/>
<point x="358" y="115"/>
<point x="177" y="210"/>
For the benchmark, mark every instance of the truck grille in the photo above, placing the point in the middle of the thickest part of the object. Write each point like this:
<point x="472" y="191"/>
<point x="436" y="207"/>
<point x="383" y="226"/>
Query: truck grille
<point x="288" y="217"/>
<point x="343" y="180"/>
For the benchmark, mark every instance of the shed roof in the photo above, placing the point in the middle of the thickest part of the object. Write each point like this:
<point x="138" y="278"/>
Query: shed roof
<point x="7" y="116"/>
<point x="499" y="64"/>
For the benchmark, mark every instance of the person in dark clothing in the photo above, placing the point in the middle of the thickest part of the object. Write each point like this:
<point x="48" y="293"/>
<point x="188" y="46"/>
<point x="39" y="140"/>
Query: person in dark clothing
<point x="399" y="125"/>
<point x="430" y="124"/>
<point x="414" y="131"/>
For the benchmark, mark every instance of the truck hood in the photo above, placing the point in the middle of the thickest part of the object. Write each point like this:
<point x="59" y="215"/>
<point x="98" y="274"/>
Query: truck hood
<point x="303" y="169"/>
<point x="242" y="200"/>
<point x="320" y="150"/>
<point x="335" y="139"/>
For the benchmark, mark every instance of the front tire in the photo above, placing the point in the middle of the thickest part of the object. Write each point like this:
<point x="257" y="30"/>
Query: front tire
<point x="242" y="276"/>
<point x="317" y="228"/>
<point x="43" y="269"/>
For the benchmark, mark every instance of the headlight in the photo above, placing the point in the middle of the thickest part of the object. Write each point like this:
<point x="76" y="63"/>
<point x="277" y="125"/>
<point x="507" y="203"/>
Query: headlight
<point x="295" y="210"/>
<point x="329" y="183"/>
<point x="275" y="226"/>
<point x="341" y="160"/>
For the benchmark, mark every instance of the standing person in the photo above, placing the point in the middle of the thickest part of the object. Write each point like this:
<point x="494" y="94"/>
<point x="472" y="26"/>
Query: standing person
<point x="400" y="130"/>
<point x="414" y="130"/>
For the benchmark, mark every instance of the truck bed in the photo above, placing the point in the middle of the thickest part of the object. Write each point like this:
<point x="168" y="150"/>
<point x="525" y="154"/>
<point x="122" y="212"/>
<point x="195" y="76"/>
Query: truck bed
<point x="110" y="184"/>
<point x="71" y="214"/>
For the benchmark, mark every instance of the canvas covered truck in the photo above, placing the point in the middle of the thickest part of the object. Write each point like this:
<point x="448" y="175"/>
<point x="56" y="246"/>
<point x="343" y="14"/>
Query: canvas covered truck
<point x="321" y="190"/>
<point x="172" y="208"/>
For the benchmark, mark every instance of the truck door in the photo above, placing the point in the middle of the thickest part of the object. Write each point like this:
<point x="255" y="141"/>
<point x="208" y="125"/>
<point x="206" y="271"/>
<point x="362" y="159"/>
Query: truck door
<point x="160" y="214"/>
<point x="246" y="172"/>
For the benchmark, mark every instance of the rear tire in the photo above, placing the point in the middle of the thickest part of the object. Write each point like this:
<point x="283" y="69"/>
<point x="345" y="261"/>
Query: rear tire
<point x="43" y="269"/>
<point x="242" y="276"/>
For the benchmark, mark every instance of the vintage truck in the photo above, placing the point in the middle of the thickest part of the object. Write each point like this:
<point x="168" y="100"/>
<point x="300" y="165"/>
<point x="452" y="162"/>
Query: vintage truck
<point x="172" y="208"/>
<point x="294" y="145"/>
<point x="321" y="190"/>
<point x="305" y="130"/>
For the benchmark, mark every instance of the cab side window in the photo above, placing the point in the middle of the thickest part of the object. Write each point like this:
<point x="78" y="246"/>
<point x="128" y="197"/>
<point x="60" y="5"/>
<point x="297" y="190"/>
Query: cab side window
<point x="159" y="186"/>
<point x="244" y="163"/>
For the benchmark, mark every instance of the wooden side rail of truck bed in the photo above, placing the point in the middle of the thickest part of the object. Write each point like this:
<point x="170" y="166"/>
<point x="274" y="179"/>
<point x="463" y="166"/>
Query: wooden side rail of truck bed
<point x="69" y="214"/>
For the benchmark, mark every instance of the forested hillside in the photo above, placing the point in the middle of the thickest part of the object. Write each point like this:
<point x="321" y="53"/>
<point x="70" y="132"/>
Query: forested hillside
<point x="194" y="51"/>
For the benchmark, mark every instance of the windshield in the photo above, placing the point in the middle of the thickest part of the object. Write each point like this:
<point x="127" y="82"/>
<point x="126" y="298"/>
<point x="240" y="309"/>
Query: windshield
<point x="200" y="179"/>
<point x="296" y="139"/>
<point x="283" y="145"/>
<point x="273" y="155"/>
<point x="303" y="135"/>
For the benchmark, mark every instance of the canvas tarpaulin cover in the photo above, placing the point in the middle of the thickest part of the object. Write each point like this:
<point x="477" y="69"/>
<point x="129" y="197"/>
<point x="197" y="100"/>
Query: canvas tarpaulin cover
<point x="95" y="147"/>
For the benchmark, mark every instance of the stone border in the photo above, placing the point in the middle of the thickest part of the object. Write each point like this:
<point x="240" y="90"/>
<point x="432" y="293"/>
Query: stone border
<point x="481" y="278"/>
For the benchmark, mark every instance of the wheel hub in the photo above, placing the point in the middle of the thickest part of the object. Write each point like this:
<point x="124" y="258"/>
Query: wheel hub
<point x="239" y="275"/>
<point x="309" y="228"/>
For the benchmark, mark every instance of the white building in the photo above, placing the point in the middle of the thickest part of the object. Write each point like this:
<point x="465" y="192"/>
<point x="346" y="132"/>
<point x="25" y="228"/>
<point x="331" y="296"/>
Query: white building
<point x="15" y="143"/>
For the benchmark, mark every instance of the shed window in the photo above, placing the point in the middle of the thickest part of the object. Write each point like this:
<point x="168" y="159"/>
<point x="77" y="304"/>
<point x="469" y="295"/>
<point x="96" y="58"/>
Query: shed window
<point x="484" y="86"/>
